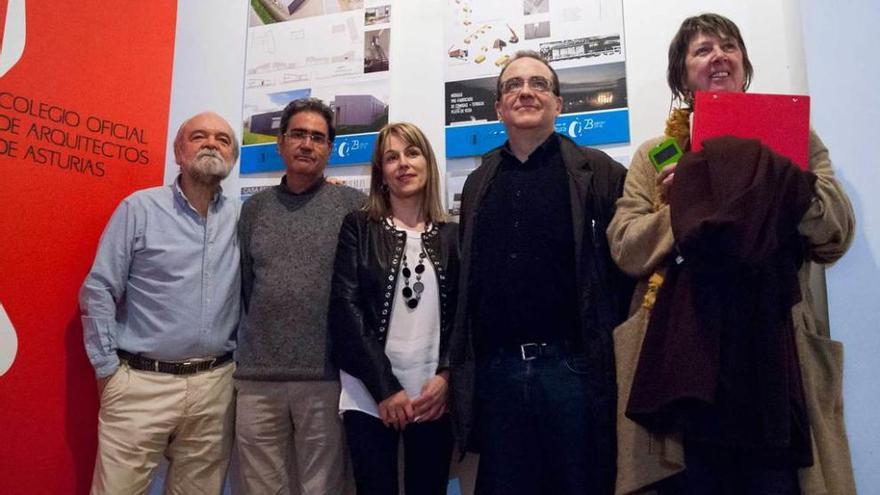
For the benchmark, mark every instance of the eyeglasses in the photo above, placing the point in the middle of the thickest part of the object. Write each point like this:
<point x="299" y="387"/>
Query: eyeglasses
<point x="516" y="84"/>
<point x="299" y="136"/>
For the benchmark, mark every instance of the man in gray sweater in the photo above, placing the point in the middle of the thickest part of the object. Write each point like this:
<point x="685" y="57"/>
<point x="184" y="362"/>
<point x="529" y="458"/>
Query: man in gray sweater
<point x="288" y="391"/>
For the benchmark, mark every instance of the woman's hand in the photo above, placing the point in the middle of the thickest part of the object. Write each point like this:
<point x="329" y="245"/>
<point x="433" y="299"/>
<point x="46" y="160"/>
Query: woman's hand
<point x="396" y="411"/>
<point x="431" y="403"/>
<point x="664" y="180"/>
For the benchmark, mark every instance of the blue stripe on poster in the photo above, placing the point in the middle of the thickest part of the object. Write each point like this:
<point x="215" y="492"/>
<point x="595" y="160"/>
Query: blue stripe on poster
<point x="587" y="129"/>
<point x="260" y="158"/>
<point x="347" y="150"/>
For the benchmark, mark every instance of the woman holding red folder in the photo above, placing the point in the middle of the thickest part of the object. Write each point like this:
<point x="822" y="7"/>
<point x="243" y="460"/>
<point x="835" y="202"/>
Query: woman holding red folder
<point x="727" y="381"/>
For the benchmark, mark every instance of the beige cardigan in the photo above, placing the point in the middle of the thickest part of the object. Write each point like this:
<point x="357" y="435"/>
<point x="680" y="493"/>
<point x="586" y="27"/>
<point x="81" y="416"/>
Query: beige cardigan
<point x="641" y="240"/>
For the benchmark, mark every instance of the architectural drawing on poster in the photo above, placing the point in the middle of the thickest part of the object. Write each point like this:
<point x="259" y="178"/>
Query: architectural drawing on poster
<point x="337" y="51"/>
<point x="582" y="39"/>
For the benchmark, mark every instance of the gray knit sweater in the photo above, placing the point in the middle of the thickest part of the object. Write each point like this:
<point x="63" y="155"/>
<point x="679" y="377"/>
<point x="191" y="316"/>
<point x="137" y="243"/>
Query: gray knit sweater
<point x="288" y="244"/>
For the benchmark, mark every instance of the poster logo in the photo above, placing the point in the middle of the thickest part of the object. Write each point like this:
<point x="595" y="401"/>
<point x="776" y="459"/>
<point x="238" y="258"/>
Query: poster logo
<point x="8" y="342"/>
<point x="13" y="35"/>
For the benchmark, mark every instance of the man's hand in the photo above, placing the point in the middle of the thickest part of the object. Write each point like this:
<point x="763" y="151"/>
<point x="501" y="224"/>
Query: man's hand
<point x="431" y="403"/>
<point x="396" y="411"/>
<point x="336" y="181"/>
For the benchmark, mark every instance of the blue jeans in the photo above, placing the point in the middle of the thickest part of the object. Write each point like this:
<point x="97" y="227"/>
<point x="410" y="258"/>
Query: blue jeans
<point x="536" y="426"/>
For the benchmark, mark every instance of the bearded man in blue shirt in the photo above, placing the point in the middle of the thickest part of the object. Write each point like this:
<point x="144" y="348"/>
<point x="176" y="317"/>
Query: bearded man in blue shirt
<point x="159" y="310"/>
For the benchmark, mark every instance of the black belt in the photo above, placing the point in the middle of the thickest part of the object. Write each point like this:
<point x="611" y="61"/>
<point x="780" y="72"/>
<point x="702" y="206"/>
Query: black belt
<point x="535" y="350"/>
<point x="179" y="368"/>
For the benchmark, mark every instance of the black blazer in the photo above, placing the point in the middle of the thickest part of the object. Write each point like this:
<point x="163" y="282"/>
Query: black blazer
<point x="604" y="293"/>
<point x="368" y="258"/>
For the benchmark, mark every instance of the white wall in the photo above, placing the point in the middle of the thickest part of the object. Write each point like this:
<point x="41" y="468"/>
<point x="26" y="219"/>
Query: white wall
<point x="771" y="30"/>
<point x="844" y="70"/>
<point x="208" y="69"/>
<point x="208" y="74"/>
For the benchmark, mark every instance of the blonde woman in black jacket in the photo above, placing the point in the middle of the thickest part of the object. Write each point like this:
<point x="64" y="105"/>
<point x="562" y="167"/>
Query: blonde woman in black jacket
<point x="391" y="308"/>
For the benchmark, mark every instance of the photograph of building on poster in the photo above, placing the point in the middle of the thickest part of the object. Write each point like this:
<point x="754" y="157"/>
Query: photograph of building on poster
<point x="272" y="11"/>
<point x="583" y="40"/>
<point x="587" y="88"/>
<point x="346" y="65"/>
<point x="377" y="15"/>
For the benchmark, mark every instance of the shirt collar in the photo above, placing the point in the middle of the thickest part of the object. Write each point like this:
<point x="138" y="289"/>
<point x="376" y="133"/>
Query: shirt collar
<point x="550" y="145"/>
<point x="181" y="197"/>
<point x="311" y="190"/>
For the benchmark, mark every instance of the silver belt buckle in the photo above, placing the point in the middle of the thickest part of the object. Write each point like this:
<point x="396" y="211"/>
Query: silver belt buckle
<point x="530" y="351"/>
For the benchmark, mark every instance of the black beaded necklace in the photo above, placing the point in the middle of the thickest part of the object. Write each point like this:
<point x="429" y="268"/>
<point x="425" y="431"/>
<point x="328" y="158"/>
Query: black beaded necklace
<point x="413" y="294"/>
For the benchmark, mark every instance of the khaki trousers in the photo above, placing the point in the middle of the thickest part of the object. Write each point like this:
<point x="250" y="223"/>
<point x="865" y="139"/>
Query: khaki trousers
<point x="290" y="429"/>
<point x="145" y="415"/>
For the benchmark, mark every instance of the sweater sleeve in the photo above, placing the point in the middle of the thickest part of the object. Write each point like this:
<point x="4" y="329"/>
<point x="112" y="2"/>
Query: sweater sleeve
<point x="640" y="233"/>
<point x="829" y="223"/>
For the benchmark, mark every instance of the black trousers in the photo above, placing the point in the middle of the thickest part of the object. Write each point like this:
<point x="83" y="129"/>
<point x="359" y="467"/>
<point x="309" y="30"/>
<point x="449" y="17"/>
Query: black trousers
<point x="427" y="450"/>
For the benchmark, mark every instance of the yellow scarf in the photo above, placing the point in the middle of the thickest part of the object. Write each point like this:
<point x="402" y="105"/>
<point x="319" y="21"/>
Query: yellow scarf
<point x="678" y="126"/>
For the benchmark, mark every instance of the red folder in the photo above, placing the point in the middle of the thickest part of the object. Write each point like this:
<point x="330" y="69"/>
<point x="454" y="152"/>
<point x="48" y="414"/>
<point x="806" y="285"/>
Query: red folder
<point x="782" y="122"/>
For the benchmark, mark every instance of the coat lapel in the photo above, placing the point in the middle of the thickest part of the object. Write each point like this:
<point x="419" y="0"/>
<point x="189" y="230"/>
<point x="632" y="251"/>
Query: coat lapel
<point x="580" y="177"/>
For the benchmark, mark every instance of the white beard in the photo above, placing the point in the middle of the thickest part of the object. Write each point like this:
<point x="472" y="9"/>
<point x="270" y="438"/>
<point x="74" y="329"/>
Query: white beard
<point x="210" y="166"/>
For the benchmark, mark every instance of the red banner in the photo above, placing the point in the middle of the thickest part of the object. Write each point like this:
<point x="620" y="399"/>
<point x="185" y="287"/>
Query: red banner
<point x="83" y="123"/>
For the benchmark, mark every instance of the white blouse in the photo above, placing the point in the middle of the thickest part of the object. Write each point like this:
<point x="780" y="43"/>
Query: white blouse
<point x="413" y="342"/>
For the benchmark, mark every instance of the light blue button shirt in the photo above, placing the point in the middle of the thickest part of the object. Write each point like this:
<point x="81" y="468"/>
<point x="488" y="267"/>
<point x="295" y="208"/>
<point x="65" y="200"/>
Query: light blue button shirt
<point x="165" y="282"/>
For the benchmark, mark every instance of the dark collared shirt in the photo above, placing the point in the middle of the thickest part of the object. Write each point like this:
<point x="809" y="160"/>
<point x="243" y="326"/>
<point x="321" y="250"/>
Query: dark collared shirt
<point x="523" y="270"/>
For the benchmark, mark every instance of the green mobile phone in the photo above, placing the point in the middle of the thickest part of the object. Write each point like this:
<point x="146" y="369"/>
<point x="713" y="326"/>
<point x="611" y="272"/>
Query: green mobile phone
<point x="665" y="153"/>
